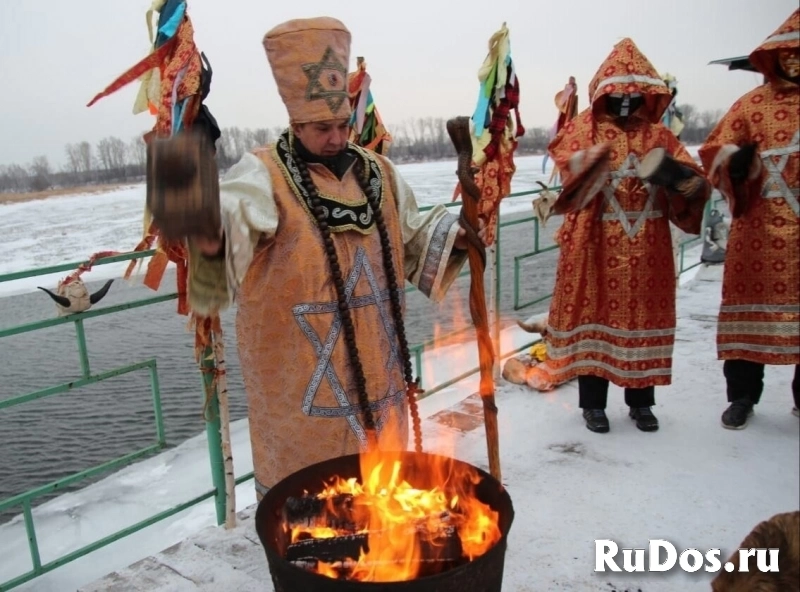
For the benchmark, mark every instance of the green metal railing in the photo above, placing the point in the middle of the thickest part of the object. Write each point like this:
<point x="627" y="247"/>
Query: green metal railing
<point x="25" y="499"/>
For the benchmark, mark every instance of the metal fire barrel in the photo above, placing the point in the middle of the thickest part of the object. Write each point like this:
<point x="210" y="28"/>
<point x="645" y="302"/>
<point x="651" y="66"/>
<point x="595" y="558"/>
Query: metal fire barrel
<point x="483" y="574"/>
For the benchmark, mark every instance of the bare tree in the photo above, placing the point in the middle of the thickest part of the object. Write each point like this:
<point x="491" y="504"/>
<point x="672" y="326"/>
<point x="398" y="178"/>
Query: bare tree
<point x="698" y="124"/>
<point x="137" y="154"/>
<point x="85" y="151"/>
<point x="111" y="154"/>
<point x="709" y="119"/>
<point x="689" y="113"/>
<point x="39" y="179"/>
<point x="261" y="136"/>
<point x="13" y="179"/>
<point x="73" y="164"/>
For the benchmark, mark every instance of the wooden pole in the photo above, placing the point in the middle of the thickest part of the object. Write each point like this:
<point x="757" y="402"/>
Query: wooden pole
<point x="458" y="129"/>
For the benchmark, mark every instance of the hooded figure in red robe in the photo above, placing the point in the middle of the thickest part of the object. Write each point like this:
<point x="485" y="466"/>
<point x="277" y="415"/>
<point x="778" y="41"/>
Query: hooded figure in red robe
<point x="612" y="316"/>
<point x="753" y="158"/>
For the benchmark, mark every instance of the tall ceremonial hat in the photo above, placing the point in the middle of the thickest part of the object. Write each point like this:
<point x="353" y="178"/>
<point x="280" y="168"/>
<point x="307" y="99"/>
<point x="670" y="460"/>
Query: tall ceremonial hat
<point x="309" y="59"/>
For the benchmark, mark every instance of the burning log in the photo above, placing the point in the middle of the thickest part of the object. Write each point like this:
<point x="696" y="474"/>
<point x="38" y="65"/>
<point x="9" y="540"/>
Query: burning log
<point x="338" y="548"/>
<point x="334" y="530"/>
<point x="344" y="553"/>
<point x="314" y="511"/>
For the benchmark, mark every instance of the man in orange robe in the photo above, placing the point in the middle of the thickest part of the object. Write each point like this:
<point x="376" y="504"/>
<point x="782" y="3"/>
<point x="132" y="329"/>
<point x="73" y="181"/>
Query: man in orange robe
<point x="318" y="237"/>
<point x="612" y="316"/>
<point x="752" y="158"/>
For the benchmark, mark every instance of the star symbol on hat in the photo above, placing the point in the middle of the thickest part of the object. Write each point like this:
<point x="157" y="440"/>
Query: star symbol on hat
<point x="327" y="80"/>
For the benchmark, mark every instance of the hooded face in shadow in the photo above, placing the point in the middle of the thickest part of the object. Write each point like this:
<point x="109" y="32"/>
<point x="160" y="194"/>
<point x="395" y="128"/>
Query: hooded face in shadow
<point x="627" y="85"/>
<point x="778" y="57"/>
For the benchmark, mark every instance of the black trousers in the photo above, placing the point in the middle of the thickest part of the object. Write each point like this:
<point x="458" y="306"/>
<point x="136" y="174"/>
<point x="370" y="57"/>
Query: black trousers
<point x="745" y="380"/>
<point x="593" y="394"/>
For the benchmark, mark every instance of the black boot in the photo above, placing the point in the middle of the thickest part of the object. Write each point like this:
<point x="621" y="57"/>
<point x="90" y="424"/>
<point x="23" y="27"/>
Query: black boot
<point x="596" y="420"/>
<point x="644" y="418"/>
<point x="736" y="415"/>
<point x="640" y="400"/>
<point x="592" y="397"/>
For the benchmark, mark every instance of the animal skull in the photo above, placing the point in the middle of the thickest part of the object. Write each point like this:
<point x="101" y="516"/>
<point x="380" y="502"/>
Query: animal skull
<point x="543" y="204"/>
<point x="72" y="296"/>
<point x="535" y="324"/>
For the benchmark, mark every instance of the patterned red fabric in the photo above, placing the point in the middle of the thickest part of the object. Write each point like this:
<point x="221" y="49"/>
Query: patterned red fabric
<point x="613" y="308"/>
<point x="759" y="316"/>
<point x="494" y="181"/>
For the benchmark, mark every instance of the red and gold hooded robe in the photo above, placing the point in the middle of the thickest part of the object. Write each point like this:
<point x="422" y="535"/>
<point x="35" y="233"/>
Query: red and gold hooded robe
<point x="759" y="319"/>
<point x="613" y="308"/>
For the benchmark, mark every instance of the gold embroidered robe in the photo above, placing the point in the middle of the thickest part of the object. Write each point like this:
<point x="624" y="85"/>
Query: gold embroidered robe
<point x="302" y="402"/>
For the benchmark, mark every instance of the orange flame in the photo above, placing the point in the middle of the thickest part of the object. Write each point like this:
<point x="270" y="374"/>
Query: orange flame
<point x="399" y="518"/>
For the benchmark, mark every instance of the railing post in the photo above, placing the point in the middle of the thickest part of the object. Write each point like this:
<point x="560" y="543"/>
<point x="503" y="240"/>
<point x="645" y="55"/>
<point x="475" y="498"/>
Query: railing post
<point x="83" y="354"/>
<point x="213" y="433"/>
<point x="155" y="389"/>
<point x="31" y="532"/>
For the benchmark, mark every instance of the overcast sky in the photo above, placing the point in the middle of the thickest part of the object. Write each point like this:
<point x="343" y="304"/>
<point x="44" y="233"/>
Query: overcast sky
<point x="423" y="56"/>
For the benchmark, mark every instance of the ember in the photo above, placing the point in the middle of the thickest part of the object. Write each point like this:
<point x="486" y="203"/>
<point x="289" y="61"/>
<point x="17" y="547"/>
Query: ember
<point x="411" y="517"/>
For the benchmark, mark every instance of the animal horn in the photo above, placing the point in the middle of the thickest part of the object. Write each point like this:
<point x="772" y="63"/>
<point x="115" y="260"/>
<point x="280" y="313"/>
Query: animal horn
<point x="545" y="187"/>
<point x="62" y="301"/>
<point x="534" y="324"/>
<point x="98" y="296"/>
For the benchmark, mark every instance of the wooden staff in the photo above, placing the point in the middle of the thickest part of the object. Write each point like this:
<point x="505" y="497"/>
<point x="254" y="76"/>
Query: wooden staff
<point x="458" y="129"/>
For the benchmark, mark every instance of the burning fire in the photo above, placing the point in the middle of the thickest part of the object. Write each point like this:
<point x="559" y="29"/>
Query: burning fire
<point x="405" y="529"/>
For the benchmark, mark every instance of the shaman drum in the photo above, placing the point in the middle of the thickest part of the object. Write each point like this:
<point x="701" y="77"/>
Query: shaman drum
<point x="587" y="178"/>
<point x="183" y="185"/>
<point x="659" y="168"/>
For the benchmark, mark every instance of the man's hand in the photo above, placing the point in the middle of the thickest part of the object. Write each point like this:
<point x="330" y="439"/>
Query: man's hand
<point x="461" y="243"/>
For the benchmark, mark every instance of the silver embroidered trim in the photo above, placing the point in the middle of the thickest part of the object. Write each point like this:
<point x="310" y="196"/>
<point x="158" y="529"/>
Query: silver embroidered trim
<point x="612" y="369"/>
<point x="324" y="369"/>
<point x="627" y="78"/>
<point x="339" y="213"/>
<point x="629" y="168"/>
<point x="644" y="333"/>
<point x="623" y="354"/>
<point x="780" y="329"/>
<point x="779" y="308"/>
<point x="761" y="349"/>
<point x="776" y="186"/>
<point x="790" y="36"/>
<point x="366" y="218"/>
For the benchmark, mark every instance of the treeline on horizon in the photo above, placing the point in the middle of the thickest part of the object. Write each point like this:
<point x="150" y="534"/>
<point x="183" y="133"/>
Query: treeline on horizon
<point x="113" y="160"/>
